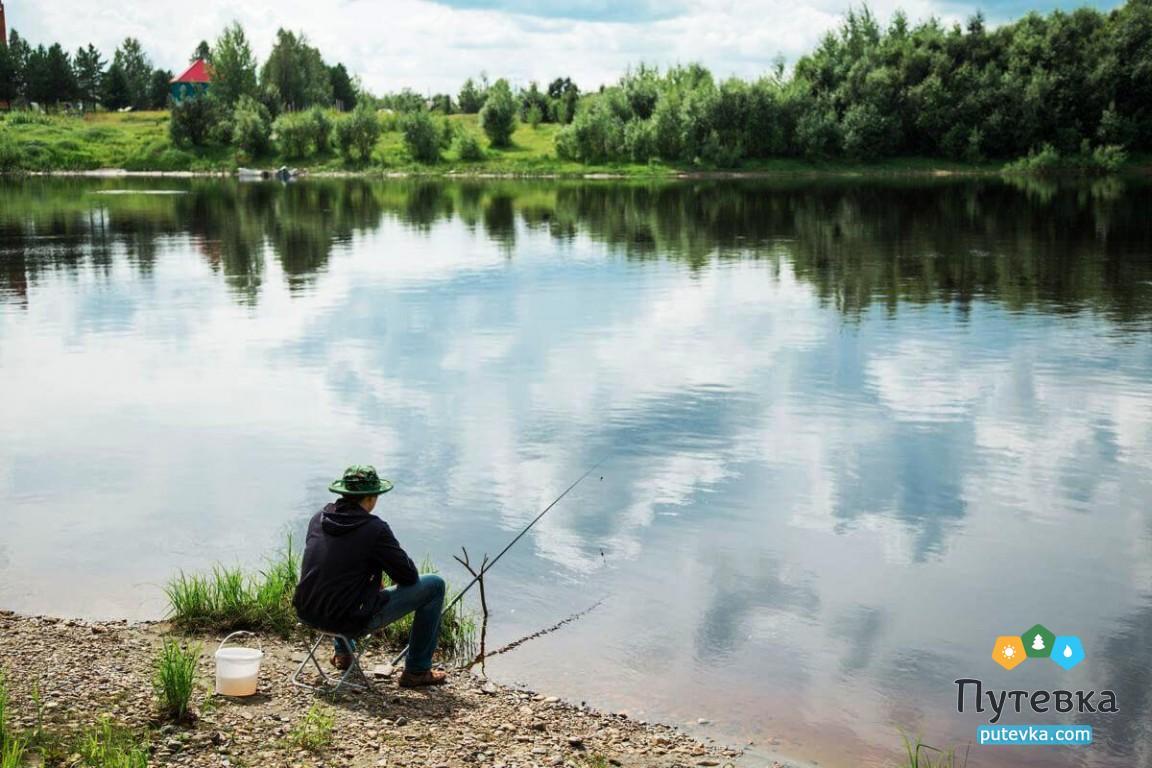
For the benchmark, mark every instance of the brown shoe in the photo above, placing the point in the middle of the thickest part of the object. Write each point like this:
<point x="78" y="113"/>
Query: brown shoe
<point x="409" y="679"/>
<point x="341" y="661"/>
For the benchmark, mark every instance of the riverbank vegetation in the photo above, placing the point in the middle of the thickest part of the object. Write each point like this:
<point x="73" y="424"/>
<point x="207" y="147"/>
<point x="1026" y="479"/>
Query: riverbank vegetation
<point x="226" y="599"/>
<point x="1056" y="92"/>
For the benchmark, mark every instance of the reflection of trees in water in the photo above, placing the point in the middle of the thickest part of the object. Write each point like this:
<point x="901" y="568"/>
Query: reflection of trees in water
<point x="1027" y="243"/>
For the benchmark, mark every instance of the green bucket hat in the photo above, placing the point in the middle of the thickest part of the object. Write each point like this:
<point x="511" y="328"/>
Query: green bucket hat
<point x="360" y="480"/>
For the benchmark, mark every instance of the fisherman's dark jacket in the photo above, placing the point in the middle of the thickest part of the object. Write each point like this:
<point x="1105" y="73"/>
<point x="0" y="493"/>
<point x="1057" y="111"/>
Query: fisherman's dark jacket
<point x="345" y="553"/>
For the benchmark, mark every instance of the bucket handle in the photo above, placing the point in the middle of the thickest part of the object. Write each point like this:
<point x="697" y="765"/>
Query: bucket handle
<point x="241" y="632"/>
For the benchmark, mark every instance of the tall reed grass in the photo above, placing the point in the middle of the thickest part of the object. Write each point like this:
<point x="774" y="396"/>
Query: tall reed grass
<point x="174" y="678"/>
<point x="227" y="599"/>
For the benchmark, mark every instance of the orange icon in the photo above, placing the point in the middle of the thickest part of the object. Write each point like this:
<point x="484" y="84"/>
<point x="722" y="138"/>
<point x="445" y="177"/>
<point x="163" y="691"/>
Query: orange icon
<point x="1009" y="652"/>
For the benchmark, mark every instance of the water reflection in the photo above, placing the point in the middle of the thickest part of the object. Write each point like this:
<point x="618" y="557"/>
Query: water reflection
<point x="1027" y="244"/>
<point x="853" y="430"/>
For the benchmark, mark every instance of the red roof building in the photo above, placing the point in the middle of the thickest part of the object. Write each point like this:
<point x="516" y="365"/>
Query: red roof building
<point x="193" y="81"/>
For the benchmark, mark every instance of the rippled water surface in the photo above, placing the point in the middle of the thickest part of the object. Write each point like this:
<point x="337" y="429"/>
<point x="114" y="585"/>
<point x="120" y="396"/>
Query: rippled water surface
<point x="852" y="432"/>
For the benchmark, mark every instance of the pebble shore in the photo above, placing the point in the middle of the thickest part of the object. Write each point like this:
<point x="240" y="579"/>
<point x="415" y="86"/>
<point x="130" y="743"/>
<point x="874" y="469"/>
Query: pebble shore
<point x="87" y="670"/>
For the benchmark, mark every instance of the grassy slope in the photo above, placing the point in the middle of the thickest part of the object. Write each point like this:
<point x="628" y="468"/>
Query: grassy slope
<point x="139" y="142"/>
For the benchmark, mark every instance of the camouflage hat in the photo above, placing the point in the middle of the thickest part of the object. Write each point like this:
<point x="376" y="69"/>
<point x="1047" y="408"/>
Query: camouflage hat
<point x="360" y="480"/>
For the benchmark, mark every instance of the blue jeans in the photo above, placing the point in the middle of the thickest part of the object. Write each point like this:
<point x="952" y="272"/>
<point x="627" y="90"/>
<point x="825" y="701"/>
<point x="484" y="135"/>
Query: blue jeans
<point x="424" y="599"/>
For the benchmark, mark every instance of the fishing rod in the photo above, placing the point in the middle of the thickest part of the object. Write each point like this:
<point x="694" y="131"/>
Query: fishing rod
<point x="488" y="567"/>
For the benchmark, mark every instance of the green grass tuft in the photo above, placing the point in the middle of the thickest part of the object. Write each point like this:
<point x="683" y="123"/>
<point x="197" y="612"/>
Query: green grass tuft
<point x="314" y="732"/>
<point x="921" y="755"/>
<point x="4" y="735"/>
<point x="106" y="745"/>
<point x="174" y="678"/>
<point x="12" y="752"/>
<point x="227" y="599"/>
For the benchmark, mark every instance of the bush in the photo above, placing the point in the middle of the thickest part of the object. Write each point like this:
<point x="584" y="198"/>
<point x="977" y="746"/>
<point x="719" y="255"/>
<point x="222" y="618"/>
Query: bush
<point x="722" y="151"/>
<point x="421" y="137"/>
<point x="596" y="135"/>
<point x="9" y="153"/>
<point x="817" y="133"/>
<point x="498" y="117"/>
<point x="294" y="134"/>
<point x="868" y="134"/>
<point x="1109" y="158"/>
<point x="174" y="678"/>
<point x="194" y="120"/>
<point x="1048" y="160"/>
<point x="321" y="129"/>
<point x="468" y="147"/>
<point x="640" y="140"/>
<point x="358" y="132"/>
<point x="251" y="127"/>
<point x="447" y="133"/>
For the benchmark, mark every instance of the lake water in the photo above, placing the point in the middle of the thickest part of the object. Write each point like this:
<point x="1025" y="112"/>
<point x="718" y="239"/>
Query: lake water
<point x="852" y="432"/>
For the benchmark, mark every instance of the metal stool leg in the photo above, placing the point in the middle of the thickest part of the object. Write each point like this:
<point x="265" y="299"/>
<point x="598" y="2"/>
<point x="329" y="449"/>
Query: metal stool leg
<point x="331" y="683"/>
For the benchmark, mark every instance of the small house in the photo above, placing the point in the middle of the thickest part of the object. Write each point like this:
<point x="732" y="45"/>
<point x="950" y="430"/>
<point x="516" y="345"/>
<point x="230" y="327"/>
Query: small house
<point x="193" y="82"/>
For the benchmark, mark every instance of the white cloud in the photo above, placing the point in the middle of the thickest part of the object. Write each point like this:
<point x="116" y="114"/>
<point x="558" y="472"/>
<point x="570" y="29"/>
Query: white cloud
<point x="432" y="47"/>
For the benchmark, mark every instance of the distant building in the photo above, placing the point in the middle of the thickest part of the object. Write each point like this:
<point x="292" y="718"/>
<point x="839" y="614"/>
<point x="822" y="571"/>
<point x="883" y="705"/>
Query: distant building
<point x="194" y="81"/>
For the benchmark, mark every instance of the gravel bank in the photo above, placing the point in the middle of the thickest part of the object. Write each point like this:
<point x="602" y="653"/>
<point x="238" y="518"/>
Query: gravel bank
<point x="85" y="670"/>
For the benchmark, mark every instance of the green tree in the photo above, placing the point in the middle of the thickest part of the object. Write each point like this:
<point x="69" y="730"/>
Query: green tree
<point x="203" y="51"/>
<point x="343" y="89"/>
<point x="233" y="66"/>
<point x="137" y="71"/>
<point x="498" y="116"/>
<point x="159" y="87"/>
<point x="533" y="98"/>
<point x="421" y="137"/>
<point x="18" y="53"/>
<point x="296" y="72"/>
<point x="50" y="76"/>
<point x="358" y="132"/>
<point x="194" y="120"/>
<point x="89" y="67"/>
<point x="115" y="92"/>
<point x="36" y="88"/>
<point x="564" y="96"/>
<point x="8" y="90"/>
<point x="471" y="98"/>
<point x="251" y="127"/>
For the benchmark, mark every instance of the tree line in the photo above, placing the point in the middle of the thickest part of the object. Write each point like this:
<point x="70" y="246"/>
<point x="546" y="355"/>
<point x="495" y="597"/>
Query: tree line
<point x="51" y="76"/>
<point x="1045" y="87"/>
<point x="295" y="76"/>
<point x="1065" y="83"/>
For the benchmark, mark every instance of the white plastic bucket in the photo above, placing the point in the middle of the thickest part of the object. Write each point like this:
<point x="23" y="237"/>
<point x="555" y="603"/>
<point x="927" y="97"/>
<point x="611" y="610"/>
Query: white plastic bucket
<point x="237" y="668"/>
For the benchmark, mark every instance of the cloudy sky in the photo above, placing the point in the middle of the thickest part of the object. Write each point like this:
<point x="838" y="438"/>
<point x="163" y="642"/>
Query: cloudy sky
<point x="433" y="46"/>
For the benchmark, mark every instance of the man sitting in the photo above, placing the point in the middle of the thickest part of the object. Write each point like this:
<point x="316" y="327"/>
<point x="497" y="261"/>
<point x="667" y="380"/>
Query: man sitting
<point x="345" y="553"/>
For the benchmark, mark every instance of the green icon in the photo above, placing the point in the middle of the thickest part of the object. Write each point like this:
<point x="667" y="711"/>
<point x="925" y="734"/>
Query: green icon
<point x="1038" y="642"/>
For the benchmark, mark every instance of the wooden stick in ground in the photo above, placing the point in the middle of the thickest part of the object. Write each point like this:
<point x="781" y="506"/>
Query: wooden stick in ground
<point x="479" y="578"/>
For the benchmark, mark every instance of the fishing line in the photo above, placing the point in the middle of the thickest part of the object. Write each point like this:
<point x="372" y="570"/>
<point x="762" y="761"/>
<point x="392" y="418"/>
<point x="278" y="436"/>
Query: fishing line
<point x="485" y="569"/>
